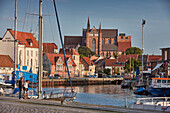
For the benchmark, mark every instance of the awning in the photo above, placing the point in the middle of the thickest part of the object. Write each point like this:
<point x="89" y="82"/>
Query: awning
<point x="157" y="66"/>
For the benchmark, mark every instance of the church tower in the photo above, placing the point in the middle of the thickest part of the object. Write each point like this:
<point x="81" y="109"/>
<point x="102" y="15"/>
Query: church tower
<point x="87" y="33"/>
<point x="100" y="40"/>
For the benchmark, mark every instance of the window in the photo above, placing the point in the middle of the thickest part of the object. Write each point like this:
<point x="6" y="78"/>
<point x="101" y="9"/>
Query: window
<point x="108" y="41"/>
<point x="165" y="55"/>
<point x="27" y="62"/>
<point x="168" y="81"/>
<point x="163" y="81"/>
<point x="36" y="53"/>
<point x="31" y="62"/>
<point x="27" y="53"/>
<point x="118" y="63"/>
<point x="31" y="53"/>
<point x="158" y="81"/>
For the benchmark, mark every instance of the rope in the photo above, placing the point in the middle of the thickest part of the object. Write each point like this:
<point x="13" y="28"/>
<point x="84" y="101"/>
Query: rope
<point x="62" y="43"/>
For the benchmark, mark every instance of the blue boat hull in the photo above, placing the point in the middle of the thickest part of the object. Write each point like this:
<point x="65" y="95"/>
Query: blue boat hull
<point x="164" y="92"/>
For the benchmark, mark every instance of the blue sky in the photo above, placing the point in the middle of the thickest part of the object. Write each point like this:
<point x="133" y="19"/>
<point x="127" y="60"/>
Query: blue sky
<point x="124" y="15"/>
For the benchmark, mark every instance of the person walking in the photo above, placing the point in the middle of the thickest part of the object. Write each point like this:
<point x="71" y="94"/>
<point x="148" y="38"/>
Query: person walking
<point x="20" y="87"/>
<point x="26" y="89"/>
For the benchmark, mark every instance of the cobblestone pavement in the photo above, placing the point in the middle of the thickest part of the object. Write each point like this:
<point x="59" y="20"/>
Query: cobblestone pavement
<point x="14" y="105"/>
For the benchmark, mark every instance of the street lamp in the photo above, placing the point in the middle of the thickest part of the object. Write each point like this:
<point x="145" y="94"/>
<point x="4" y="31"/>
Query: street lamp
<point x="143" y="23"/>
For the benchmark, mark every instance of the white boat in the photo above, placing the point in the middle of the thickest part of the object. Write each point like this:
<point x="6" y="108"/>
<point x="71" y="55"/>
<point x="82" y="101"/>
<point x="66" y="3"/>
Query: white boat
<point x="153" y="103"/>
<point x="3" y="84"/>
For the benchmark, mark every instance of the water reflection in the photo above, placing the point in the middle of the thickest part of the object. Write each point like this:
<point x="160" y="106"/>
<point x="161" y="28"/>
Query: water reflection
<point x="103" y="95"/>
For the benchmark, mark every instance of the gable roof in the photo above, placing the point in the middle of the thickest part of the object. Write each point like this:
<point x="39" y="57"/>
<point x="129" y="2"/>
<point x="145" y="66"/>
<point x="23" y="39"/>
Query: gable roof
<point x="88" y="61"/>
<point x="69" y="51"/>
<point x="106" y="33"/>
<point x="154" y="58"/>
<point x="24" y="37"/>
<point x="49" y="47"/>
<point x="51" y="57"/>
<point x="6" y="61"/>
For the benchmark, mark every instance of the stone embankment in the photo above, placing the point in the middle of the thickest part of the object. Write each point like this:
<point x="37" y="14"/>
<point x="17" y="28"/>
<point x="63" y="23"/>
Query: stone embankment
<point x="81" y="81"/>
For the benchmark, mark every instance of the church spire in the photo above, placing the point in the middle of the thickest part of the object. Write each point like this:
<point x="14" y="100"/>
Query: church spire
<point x="88" y="25"/>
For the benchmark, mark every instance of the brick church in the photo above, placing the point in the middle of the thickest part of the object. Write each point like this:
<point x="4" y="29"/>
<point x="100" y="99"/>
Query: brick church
<point x="102" y="41"/>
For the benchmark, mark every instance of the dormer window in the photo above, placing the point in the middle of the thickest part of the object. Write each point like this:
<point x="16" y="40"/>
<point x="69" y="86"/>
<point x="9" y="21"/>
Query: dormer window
<point x="29" y="41"/>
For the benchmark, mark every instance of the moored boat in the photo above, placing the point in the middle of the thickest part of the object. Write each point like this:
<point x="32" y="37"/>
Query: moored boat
<point x="160" y="87"/>
<point x="154" y="103"/>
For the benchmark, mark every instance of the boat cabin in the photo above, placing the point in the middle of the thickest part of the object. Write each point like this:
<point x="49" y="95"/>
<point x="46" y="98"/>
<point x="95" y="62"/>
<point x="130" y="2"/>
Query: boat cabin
<point x="160" y="82"/>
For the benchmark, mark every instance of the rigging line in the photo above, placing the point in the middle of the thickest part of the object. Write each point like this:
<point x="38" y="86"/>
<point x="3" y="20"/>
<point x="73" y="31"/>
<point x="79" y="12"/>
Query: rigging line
<point x="25" y="14"/>
<point x="50" y="21"/>
<point x="62" y="43"/>
<point x="32" y="15"/>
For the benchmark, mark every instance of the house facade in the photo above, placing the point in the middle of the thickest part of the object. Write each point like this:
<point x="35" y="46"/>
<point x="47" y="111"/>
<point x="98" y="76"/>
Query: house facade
<point x="6" y="64"/>
<point x="161" y="68"/>
<point x="104" y="42"/>
<point x="26" y="49"/>
<point x="116" y="66"/>
<point x="89" y="67"/>
<point x="54" y="64"/>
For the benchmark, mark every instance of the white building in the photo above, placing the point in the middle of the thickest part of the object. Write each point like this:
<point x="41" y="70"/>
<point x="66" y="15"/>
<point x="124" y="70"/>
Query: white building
<point x="26" y="49"/>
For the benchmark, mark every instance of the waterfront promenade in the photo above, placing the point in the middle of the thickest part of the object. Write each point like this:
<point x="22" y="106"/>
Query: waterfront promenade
<point x="14" y="105"/>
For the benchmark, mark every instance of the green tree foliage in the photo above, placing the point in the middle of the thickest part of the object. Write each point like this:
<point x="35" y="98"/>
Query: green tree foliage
<point x="116" y="55"/>
<point x="134" y="63"/>
<point x="85" y="51"/>
<point x="106" y="71"/>
<point x="133" y="50"/>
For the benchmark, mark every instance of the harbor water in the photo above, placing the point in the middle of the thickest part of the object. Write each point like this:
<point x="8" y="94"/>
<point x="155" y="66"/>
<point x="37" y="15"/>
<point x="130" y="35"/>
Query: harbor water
<point x="102" y="94"/>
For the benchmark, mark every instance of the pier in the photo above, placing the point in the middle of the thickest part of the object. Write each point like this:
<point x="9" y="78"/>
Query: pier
<point x="81" y="81"/>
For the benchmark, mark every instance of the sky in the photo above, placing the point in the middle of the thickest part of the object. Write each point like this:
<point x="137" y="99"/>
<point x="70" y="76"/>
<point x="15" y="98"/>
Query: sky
<point x="124" y="15"/>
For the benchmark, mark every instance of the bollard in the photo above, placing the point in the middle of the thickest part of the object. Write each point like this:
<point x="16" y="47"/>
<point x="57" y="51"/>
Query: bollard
<point x="125" y="102"/>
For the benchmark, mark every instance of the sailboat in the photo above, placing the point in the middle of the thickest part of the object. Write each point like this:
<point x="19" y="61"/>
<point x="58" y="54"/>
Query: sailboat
<point x="60" y="95"/>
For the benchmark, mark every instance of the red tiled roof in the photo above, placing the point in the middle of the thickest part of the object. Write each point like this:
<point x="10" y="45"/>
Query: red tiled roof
<point x="6" y="61"/>
<point x="49" y="47"/>
<point x="154" y="58"/>
<point x="121" y="59"/>
<point x="88" y="61"/>
<point x="94" y="58"/>
<point x="24" y="37"/>
<point x="69" y="51"/>
<point x="51" y="57"/>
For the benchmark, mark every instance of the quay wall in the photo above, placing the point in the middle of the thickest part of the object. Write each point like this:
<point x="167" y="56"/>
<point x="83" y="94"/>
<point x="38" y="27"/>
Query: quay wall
<point x="81" y="81"/>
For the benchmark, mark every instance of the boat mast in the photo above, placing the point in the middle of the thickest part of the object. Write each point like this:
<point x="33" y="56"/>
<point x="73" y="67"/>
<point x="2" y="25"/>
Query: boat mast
<point x="143" y="23"/>
<point x="40" y="51"/>
<point x="15" y="36"/>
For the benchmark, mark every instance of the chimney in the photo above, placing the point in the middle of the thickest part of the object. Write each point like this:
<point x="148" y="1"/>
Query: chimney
<point x="9" y="29"/>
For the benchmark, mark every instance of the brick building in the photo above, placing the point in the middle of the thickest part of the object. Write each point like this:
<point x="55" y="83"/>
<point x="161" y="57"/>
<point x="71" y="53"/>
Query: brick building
<point x="102" y="41"/>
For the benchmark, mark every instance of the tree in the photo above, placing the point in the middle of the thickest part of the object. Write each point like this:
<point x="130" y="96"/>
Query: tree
<point x="85" y="51"/>
<point x="116" y="55"/>
<point x="133" y="50"/>
<point x="134" y="63"/>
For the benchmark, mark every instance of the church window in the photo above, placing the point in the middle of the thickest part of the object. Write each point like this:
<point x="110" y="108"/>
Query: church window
<point x="94" y="45"/>
<point x="108" y="41"/>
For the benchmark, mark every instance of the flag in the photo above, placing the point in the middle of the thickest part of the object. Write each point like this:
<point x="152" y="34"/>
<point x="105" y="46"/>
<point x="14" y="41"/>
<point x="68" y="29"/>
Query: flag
<point x="143" y="22"/>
